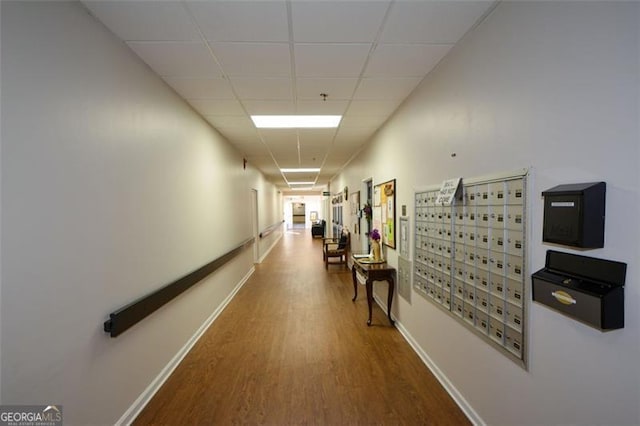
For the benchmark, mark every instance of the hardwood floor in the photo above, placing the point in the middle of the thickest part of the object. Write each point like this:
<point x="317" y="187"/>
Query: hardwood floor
<point x="292" y="348"/>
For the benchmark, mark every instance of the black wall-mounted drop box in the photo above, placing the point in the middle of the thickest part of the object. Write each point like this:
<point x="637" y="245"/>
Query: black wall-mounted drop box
<point x="574" y="215"/>
<point x="588" y="289"/>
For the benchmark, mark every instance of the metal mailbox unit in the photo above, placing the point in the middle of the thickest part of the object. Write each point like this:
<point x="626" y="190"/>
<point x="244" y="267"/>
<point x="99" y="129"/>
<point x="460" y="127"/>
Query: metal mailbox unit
<point x="469" y="258"/>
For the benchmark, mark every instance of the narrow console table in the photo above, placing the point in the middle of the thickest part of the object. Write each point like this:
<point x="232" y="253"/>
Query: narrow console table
<point x="373" y="272"/>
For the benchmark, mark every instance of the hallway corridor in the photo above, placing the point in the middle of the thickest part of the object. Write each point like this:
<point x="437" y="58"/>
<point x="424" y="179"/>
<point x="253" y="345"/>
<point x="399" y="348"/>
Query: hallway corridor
<point x="292" y="348"/>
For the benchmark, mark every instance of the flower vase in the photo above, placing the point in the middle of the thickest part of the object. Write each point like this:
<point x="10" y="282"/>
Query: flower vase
<point x="375" y="248"/>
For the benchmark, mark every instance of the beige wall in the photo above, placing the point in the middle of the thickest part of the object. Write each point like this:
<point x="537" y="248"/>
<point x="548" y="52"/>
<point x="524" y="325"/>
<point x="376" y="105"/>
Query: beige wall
<point x="111" y="188"/>
<point x="552" y="86"/>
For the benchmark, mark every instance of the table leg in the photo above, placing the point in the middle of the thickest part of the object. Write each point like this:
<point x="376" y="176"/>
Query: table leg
<point x="355" y="284"/>
<point x="369" y="298"/>
<point x="392" y="286"/>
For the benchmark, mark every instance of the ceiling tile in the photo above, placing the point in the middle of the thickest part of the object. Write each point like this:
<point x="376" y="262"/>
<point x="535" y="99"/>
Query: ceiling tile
<point x="316" y="137"/>
<point x="353" y="137"/>
<point x="200" y="88"/>
<point x="273" y="88"/>
<point x="241" y="20"/>
<point x="330" y="60"/>
<point x="269" y="107"/>
<point x="337" y="21"/>
<point x="322" y="107"/>
<point x="369" y="122"/>
<point x="280" y="137"/>
<point x="335" y="88"/>
<point x="247" y="59"/>
<point x="254" y="149"/>
<point x="432" y="21"/>
<point x="374" y="108"/>
<point x="177" y="59"/>
<point x="300" y="177"/>
<point x="405" y="60"/>
<point x="217" y="106"/>
<point x="386" y="88"/>
<point x="145" y="20"/>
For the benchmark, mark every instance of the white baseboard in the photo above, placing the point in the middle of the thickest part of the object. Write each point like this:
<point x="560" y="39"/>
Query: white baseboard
<point x="130" y="415"/>
<point x="466" y="408"/>
<point x="266" y="253"/>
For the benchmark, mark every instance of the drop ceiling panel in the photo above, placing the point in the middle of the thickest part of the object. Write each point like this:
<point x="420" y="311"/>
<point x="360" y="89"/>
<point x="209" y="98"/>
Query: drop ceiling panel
<point x="330" y="60"/>
<point x="239" y="134"/>
<point x="372" y="108"/>
<point x="316" y="137"/>
<point x="386" y="88"/>
<point x="177" y="59"/>
<point x="322" y="107"/>
<point x="145" y="20"/>
<point x="300" y="177"/>
<point x="241" y="20"/>
<point x="369" y="122"/>
<point x="432" y="21"/>
<point x="217" y="106"/>
<point x="352" y="137"/>
<point x="201" y="88"/>
<point x="254" y="59"/>
<point x="336" y="88"/>
<point x="346" y="21"/>
<point x="278" y="88"/>
<point x="313" y="154"/>
<point x="269" y="107"/>
<point x="255" y="149"/>
<point x="405" y="60"/>
<point x="279" y="137"/>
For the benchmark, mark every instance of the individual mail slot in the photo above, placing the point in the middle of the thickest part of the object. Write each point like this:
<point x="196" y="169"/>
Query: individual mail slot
<point x="459" y="215"/>
<point x="432" y="291"/>
<point x="482" y="300"/>
<point x="419" y="214"/>
<point x="497" y="285"/>
<point x="439" y="279"/>
<point x="472" y="196"/>
<point x="469" y="293"/>
<point x="457" y="306"/>
<point x="514" y="291"/>
<point x="482" y="322"/>
<point x="497" y="240"/>
<point x="515" y="191"/>
<point x="482" y="258"/>
<point x="470" y="235"/>
<point x="447" y="233"/>
<point x="470" y="276"/>
<point x="515" y="267"/>
<point x="446" y="299"/>
<point x="433" y="215"/>
<point x="496" y="308"/>
<point x="469" y="255"/>
<point x="513" y="341"/>
<point x="446" y="266"/>
<point x="515" y="218"/>
<point x="446" y="282"/>
<point x="446" y="249"/>
<point x="514" y="316"/>
<point x="496" y="330"/>
<point x="431" y="277"/>
<point x="482" y="192"/>
<point x="458" y="288"/>
<point x="483" y="240"/>
<point x="482" y="279"/>
<point x="483" y="216"/>
<point x="439" y="213"/>
<point x="458" y="252"/>
<point x="470" y="216"/>
<point x="446" y="216"/>
<point x="458" y="270"/>
<point x="439" y="294"/>
<point x="515" y="243"/>
<point x="469" y="313"/>
<point x="459" y="235"/>
<point x="496" y="263"/>
<point x="497" y="193"/>
<point x="497" y="218"/>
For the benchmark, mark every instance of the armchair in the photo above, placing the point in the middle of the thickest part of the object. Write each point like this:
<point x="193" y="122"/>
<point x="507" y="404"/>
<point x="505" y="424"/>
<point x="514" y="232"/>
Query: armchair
<point x="337" y="247"/>
<point x="317" y="229"/>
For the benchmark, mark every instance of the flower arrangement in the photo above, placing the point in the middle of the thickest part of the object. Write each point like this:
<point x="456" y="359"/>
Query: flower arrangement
<point x="375" y="234"/>
<point x="367" y="211"/>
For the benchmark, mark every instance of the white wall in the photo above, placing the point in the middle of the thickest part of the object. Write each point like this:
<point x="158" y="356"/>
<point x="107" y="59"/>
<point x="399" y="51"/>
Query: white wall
<point x="555" y="87"/>
<point x="111" y="187"/>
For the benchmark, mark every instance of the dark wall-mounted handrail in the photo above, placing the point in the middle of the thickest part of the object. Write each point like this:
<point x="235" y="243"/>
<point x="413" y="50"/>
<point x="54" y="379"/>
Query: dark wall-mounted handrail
<point x="269" y="229"/>
<point x="124" y="318"/>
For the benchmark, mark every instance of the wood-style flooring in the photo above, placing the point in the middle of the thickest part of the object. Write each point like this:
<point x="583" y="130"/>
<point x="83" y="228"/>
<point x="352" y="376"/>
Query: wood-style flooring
<point x="292" y="348"/>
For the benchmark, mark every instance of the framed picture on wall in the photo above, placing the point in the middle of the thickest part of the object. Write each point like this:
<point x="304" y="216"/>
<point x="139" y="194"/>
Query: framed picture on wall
<point x="387" y="201"/>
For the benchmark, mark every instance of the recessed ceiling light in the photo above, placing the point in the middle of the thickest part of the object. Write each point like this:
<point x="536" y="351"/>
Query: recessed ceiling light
<point x="300" y="183"/>
<point x="301" y="170"/>
<point x="296" y="121"/>
<point x="302" y="189"/>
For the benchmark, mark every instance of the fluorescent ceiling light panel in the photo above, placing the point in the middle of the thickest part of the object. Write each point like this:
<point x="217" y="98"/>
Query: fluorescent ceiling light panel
<point x="296" y="121"/>
<point x="301" y="170"/>
<point x="302" y="189"/>
<point x="300" y="183"/>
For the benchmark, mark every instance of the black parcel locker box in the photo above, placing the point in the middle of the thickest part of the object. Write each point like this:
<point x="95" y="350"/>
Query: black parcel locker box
<point x="574" y="215"/>
<point x="588" y="289"/>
